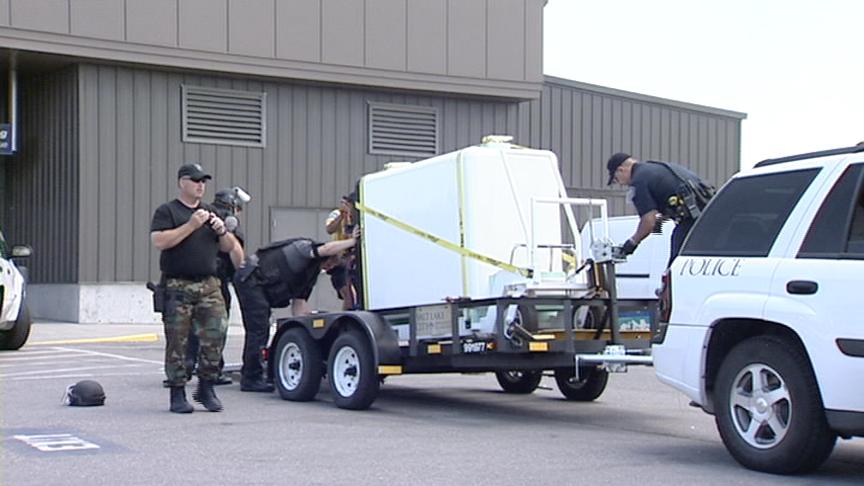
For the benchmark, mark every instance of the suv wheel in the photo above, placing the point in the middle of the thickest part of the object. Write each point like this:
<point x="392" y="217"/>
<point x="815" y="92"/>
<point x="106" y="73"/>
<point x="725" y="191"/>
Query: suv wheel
<point x="769" y="412"/>
<point x="16" y="337"/>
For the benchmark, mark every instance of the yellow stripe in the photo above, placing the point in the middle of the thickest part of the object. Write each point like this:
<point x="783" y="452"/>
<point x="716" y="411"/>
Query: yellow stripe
<point x="389" y="370"/>
<point x="525" y="272"/>
<point x="541" y="346"/>
<point x="140" y="338"/>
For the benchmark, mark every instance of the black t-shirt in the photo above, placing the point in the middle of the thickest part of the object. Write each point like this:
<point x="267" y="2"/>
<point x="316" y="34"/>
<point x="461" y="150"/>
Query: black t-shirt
<point x="289" y="269"/>
<point x="652" y="185"/>
<point x="195" y="256"/>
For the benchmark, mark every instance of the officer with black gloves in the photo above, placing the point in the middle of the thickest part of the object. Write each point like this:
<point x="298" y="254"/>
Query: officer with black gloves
<point x="279" y="274"/>
<point x="659" y="188"/>
<point x="227" y="205"/>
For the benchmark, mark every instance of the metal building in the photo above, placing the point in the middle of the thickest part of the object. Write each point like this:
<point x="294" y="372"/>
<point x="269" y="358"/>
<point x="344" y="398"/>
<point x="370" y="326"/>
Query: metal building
<point x="292" y="99"/>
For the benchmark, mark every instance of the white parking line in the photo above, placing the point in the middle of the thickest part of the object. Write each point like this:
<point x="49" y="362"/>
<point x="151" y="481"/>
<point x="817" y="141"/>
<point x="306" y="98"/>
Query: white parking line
<point x="64" y="370"/>
<point x="109" y="355"/>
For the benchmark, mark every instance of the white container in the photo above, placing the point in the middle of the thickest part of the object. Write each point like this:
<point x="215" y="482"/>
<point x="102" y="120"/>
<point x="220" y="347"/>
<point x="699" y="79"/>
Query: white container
<point x="478" y="198"/>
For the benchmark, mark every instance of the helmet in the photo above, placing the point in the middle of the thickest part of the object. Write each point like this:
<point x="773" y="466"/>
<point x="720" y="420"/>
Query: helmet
<point x="85" y="393"/>
<point x="225" y="198"/>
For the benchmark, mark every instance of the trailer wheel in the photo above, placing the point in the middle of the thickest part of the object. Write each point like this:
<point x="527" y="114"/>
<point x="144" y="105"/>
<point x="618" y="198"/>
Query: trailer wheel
<point x="351" y="371"/>
<point x="590" y="385"/>
<point x="298" y="366"/>
<point x="769" y="412"/>
<point x="519" y="382"/>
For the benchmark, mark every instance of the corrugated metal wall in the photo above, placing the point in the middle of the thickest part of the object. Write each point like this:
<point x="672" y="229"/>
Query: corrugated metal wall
<point x="131" y="147"/>
<point x="40" y="197"/>
<point x="585" y="124"/>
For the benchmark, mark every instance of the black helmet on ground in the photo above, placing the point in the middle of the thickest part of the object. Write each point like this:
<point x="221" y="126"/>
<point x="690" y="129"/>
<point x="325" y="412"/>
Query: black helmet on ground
<point x="85" y="393"/>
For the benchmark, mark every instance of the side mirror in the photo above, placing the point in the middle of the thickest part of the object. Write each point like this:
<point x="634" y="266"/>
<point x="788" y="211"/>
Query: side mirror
<point x="21" y="251"/>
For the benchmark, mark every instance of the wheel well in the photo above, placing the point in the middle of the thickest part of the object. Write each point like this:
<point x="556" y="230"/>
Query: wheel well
<point x="727" y="333"/>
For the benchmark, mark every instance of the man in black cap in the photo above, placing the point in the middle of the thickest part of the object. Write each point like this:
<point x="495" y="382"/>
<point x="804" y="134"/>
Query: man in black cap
<point x="190" y="235"/>
<point x="659" y="189"/>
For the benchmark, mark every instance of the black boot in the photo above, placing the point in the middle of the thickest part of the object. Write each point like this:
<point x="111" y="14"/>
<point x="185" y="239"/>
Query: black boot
<point x="178" y="400"/>
<point x="259" y="385"/>
<point x="206" y="396"/>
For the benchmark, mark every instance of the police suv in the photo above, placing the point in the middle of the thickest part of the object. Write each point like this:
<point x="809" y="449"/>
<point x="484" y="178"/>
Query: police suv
<point x="759" y="318"/>
<point x="14" y="315"/>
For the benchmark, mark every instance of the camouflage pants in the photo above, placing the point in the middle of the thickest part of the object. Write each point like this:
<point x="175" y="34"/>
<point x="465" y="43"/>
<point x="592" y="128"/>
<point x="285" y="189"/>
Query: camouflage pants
<point x="195" y="306"/>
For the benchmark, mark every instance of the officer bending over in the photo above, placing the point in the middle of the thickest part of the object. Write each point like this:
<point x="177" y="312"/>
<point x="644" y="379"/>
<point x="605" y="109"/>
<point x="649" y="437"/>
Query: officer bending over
<point x="670" y="190"/>
<point x="189" y="236"/>
<point x="281" y="273"/>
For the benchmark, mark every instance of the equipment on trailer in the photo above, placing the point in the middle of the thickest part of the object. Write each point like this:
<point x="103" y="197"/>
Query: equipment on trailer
<point x="470" y="261"/>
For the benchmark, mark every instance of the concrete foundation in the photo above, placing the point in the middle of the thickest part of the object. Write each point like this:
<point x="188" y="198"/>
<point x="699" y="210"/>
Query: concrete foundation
<point x="115" y="303"/>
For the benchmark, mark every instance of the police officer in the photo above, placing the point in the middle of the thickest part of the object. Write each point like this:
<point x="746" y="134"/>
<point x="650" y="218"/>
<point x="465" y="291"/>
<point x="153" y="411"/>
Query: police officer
<point x="281" y="273"/>
<point x="227" y="204"/>
<point x="189" y="235"/>
<point x="656" y="188"/>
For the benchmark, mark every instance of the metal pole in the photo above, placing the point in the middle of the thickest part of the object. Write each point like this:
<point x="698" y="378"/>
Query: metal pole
<point x="13" y="102"/>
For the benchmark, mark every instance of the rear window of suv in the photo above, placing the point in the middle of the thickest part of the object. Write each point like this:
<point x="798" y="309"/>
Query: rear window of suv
<point x="745" y="217"/>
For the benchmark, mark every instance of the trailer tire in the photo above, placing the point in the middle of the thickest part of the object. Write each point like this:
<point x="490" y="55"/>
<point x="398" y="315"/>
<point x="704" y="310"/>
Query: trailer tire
<point x="351" y="371"/>
<point x="588" y="388"/>
<point x="298" y="367"/>
<point x="519" y="382"/>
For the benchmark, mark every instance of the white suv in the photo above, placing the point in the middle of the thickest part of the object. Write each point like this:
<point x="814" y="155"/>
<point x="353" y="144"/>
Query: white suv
<point x="15" y="318"/>
<point x="759" y="325"/>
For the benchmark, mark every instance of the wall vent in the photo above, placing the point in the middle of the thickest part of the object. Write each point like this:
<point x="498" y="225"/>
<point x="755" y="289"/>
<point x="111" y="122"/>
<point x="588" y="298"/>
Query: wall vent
<point x="403" y="130"/>
<point x="224" y="116"/>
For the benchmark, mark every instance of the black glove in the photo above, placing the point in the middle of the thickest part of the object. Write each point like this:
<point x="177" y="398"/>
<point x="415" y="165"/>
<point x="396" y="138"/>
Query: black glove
<point x="628" y="247"/>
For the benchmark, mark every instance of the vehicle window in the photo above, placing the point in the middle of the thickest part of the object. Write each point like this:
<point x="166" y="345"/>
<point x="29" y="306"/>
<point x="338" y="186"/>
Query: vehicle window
<point x="745" y="217"/>
<point x="837" y="230"/>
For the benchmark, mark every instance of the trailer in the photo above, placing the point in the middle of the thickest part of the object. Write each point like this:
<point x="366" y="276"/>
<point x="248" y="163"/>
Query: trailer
<point x="470" y="261"/>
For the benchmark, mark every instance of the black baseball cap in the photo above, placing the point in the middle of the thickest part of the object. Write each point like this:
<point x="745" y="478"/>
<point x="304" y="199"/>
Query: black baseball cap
<point x="614" y="162"/>
<point x="194" y="172"/>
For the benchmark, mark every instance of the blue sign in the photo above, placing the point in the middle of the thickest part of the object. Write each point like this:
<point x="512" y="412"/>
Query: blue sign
<point x="6" y="139"/>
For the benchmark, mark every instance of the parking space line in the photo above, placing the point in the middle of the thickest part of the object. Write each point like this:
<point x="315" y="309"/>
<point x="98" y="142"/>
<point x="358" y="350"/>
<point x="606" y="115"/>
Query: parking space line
<point x="64" y="370"/>
<point x="110" y="355"/>
<point x="132" y="338"/>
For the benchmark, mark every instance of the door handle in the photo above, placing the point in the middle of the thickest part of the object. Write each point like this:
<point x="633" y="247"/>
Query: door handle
<point x="802" y="287"/>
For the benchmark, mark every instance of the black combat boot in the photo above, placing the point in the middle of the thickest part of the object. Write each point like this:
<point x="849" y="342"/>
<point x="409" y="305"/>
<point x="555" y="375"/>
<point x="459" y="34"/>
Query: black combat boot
<point x="259" y="385"/>
<point x="206" y="396"/>
<point x="178" y="400"/>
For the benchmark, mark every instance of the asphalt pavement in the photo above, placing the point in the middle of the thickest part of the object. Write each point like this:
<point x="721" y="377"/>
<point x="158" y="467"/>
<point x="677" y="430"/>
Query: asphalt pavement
<point x="422" y="429"/>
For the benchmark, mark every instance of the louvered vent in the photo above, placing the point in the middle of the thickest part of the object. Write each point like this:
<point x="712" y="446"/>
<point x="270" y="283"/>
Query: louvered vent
<point x="403" y="130"/>
<point x="224" y="116"/>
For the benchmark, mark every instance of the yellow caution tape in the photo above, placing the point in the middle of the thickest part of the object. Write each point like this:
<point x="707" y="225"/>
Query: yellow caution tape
<point x="525" y="272"/>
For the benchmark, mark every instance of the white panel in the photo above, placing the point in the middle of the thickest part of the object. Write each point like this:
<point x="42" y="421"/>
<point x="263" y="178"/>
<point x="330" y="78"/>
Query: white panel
<point x="401" y="268"/>
<point x="342" y="32"/>
<point x="251" y="28"/>
<point x="97" y="18"/>
<point x="152" y="22"/>
<point x="44" y="15"/>
<point x="298" y="35"/>
<point x="204" y="25"/>
<point x="385" y="34"/>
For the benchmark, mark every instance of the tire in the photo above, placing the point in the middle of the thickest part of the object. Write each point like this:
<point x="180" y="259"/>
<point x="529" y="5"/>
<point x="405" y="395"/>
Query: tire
<point x="298" y="367"/>
<point x="528" y="317"/>
<point x="792" y="434"/>
<point x="591" y="384"/>
<point x="351" y="371"/>
<point x="519" y="382"/>
<point x="14" y="338"/>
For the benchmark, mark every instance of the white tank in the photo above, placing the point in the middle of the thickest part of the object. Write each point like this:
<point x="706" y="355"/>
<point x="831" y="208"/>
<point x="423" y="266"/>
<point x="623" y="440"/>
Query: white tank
<point x="479" y="198"/>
